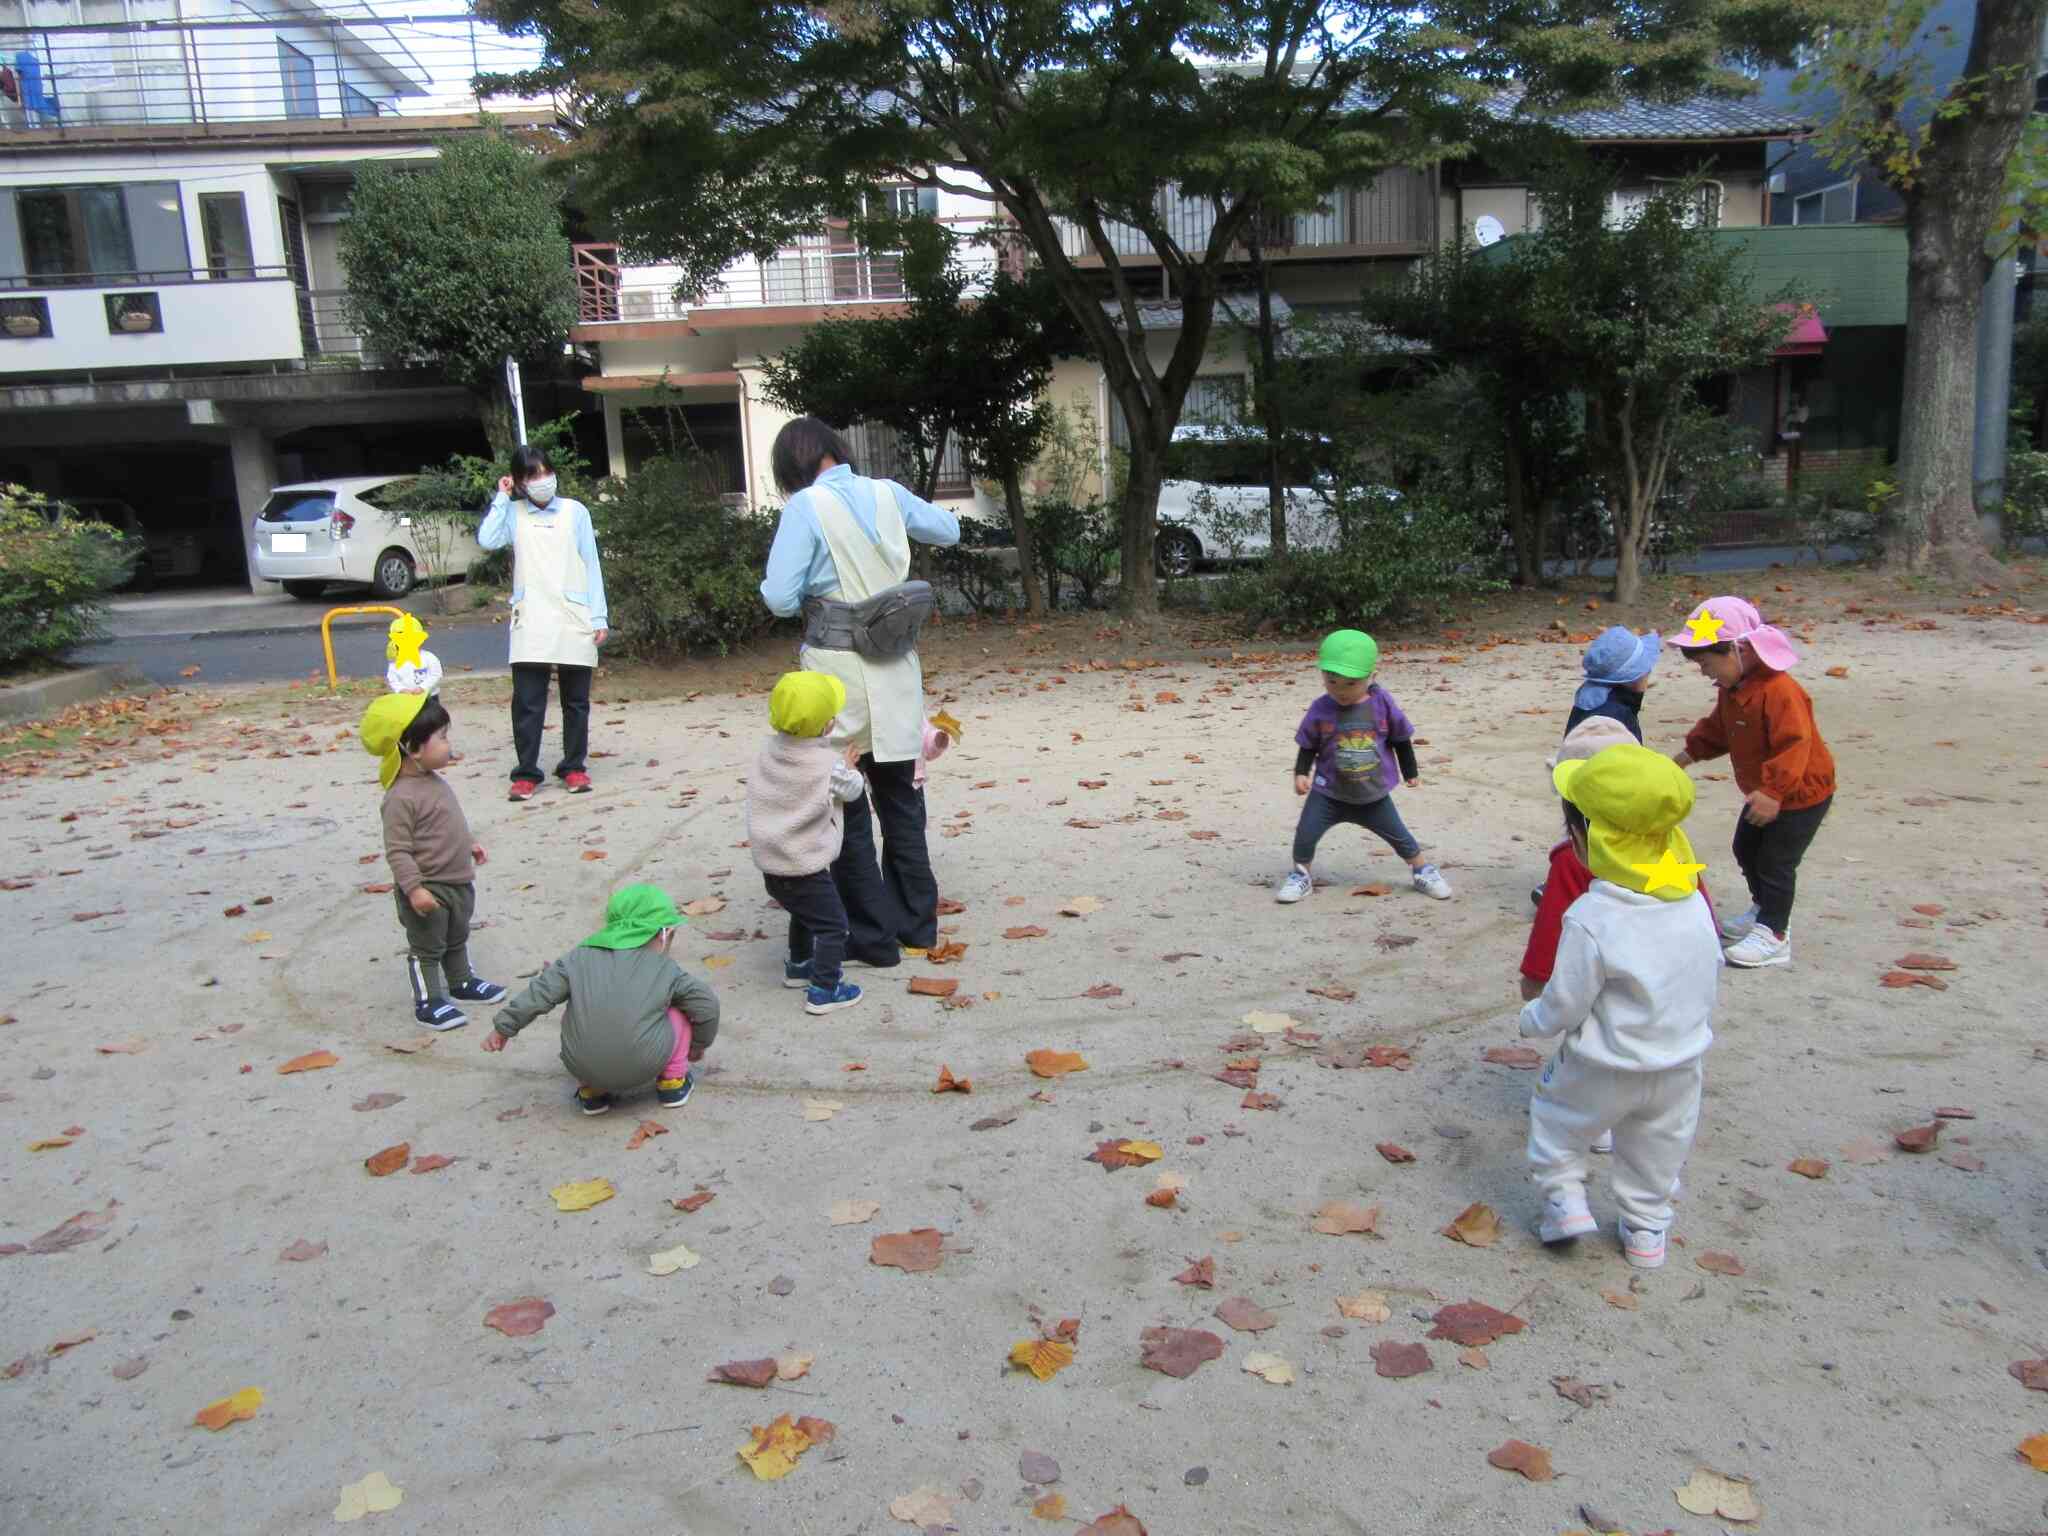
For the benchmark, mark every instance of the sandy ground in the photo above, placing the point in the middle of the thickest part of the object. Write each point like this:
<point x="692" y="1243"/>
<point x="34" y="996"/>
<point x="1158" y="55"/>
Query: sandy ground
<point x="1856" y="1369"/>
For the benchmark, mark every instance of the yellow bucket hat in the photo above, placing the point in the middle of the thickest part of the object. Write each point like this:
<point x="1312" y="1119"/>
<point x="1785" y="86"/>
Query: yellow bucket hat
<point x="383" y="723"/>
<point x="404" y="639"/>
<point x="805" y="703"/>
<point x="1634" y="800"/>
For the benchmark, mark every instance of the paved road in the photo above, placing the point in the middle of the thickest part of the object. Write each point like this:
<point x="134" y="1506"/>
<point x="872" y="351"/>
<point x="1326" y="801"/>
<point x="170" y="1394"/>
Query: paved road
<point x="279" y="655"/>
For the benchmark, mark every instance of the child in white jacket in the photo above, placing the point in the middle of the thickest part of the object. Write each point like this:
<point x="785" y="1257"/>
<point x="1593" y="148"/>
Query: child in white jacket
<point x="1632" y="992"/>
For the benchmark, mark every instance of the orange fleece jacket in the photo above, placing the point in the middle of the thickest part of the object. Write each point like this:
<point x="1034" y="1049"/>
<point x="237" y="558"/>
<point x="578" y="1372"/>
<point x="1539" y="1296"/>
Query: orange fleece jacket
<point x="1764" y="726"/>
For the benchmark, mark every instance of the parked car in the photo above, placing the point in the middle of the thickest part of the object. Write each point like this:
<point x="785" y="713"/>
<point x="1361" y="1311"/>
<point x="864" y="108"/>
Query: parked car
<point x="1215" y="503"/>
<point x="118" y="515"/>
<point x="321" y="532"/>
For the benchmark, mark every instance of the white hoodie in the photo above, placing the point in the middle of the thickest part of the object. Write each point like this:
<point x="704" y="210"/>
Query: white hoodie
<point x="1635" y="978"/>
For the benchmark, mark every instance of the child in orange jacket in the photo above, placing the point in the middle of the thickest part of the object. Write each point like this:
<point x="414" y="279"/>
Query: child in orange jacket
<point x="1762" y="721"/>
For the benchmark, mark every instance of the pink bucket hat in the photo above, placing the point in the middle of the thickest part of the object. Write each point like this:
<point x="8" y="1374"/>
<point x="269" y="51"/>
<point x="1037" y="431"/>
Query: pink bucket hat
<point x="1721" y="619"/>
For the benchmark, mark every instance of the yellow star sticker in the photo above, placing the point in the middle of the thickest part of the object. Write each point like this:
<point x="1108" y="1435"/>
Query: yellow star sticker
<point x="1667" y="871"/>
<point x="1706" y="629"/>
<point x="407" y="636"/>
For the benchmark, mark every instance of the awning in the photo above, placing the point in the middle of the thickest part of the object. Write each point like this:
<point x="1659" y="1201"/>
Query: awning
<point x="1808" y="337"/>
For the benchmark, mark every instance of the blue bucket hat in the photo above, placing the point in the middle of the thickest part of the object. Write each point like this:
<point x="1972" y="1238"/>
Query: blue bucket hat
<point x="1617" y="656"/>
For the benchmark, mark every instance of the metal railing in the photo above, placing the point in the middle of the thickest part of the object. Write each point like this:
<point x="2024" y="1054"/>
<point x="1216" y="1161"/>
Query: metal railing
<point x="222" y="274"/>
<point x="303" y="66"/>
<point x="1396" y="210"/>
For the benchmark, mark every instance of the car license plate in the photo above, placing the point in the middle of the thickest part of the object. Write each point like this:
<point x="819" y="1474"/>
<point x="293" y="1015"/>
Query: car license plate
<point x="287" y="543"/>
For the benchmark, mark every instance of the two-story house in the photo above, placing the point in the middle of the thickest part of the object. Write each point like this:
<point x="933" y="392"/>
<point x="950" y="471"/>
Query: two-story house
<point x="173" y="175"/>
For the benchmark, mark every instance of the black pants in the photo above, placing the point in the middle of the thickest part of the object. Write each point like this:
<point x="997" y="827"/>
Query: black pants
<point x="817" y="923"/>
<point x="892" y="899"/>
<point x="437" y="943"/>
<point x="530" y="709"/>
<point x="1319" y="813"/>
<point x="1769" y="858"/>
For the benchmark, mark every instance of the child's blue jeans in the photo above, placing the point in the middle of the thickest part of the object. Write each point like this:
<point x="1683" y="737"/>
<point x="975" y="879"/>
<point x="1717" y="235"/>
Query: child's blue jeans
<point x="1319" y="813"/>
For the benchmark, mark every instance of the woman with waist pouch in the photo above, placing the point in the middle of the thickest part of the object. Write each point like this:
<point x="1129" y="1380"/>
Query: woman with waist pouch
<point x="842" y="540"/>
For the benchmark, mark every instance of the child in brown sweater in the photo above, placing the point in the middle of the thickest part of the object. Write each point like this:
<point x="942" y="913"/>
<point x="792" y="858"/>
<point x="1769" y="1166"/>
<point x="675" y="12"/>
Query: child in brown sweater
<point x="1763" y="722"/>
<point x="433" y="860"/>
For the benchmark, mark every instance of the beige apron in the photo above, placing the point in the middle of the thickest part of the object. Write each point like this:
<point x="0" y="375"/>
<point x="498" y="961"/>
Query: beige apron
<point x="884" y="710"/>
<point x="546" y="625"/>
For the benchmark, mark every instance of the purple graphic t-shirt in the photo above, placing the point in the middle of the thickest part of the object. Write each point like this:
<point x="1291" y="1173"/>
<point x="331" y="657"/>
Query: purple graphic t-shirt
<point x="1354" y="747"/>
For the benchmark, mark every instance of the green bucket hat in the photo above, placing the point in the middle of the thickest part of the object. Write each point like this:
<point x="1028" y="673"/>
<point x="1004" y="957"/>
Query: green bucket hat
<point x="1349" y="653"/>
<point x="635" y="914"/>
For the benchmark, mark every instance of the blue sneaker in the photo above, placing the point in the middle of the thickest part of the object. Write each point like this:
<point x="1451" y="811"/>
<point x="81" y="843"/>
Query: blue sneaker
<point x="831" y="999"/>
<point x="796" y="974"/>
<point x="476" y="990"/>
<point x="674" y="1092"/>
<point x="438" y="1013"/>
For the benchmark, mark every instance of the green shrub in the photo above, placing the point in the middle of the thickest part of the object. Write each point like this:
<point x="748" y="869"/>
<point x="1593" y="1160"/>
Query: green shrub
<point x="1076" y="542"/>
<point x="682" y="570"/>
<point x="2025" y="515"/>
<point x="55" y="574"/>
<point x="980" y="576"/>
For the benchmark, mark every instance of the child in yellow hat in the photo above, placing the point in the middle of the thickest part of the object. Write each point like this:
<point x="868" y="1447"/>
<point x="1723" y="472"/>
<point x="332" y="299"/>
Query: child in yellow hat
<point x="794" y="829"/>
<point x="1632" y="992"/>
<point x="432" y="857"/>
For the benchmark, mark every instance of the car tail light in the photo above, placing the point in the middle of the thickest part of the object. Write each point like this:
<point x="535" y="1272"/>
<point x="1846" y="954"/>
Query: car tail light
<point x="340" y="525"/>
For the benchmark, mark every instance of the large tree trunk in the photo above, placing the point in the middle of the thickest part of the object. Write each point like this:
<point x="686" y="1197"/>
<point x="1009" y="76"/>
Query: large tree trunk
<point x="1140" y="516"/>
<point x="1027" y="544"/>
<point x="1629" y="519"/>
<point x="1514" y="474"/>
<point x="494" y="411"/>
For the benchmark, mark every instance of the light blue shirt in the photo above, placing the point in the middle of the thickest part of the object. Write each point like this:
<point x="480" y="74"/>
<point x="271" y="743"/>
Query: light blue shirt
<point x="496" y="533"/>
<point x="800" y="563"/>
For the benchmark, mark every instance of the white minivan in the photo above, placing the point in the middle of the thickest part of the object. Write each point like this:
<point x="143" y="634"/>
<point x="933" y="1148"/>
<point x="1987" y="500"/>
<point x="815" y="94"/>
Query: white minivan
<point x="325" y="531"/>
<point x="1214" y="503"/>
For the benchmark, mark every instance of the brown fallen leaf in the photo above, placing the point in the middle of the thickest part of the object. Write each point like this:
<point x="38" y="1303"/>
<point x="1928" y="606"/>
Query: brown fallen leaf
<point x="2031" y="1374"/>
<point x="2034" y="1451"/>
<point x="235" y="911"/>
<point x="1177" y="1351"/>
<point x="73" y="1230"/>
<point x="1920" y="962"/>
<point x="1623" y="1301"/>
<point x="1929" y="909"/>
<point x="1373" y="890"/>
<point x="1521" y="1057"/>
<point x="1965" y="1162"/>
<point x="390" y="1160"/>
<point x="1119" y="1521"/>
<point x="1053" y="1506"/>
<point x="1399" y="1361"/>
<point x="1720" y="1263"/>
<point x="312" y="1061"/>
<point x="1241" y="1313"/>
<point x="744" y="1373"/>
<point x="1341" y="1218"/>
<point x="645" y="1132"/>
<point x="123" y="1048"/>
<point x="517" y="1319"/>
<point x="1582" y="1393"/>
<point x="1393" y="1152"/>
<point x="1334" y="992"/>
<point x="1257" y="1100"/>
<point x="432" y="1162"/>
<point x="1531" y="1461"/>
<point x="1103" y="989"/>
<point x="1474" y="1357"/>
<point x="1865" y="1150"/>
<point x="377" y="888"/>
<point x="377" y="1101"/>
<point x="704" y="906"/>
<point x="934" y="986"/>
<point x="696" y="1202"/>
<point x="1477" y="1226"/>
<point x="219" y="1415"/>
<point x="1808" y="1167"/>
<point x="948" y="907"/>
<point x="1903" y="979"/>
<point x="302" y="1252"/>
<point x="1026" y="931"/>
<point x="411" y="1047"/>
<point x="1111" y="1156"/>
<point x="914" y="1251"/>
<point x="1162" y="1199"/>
<point x="946" y="953"/>
<point x="948" y="1083"/>
<point x="73" y="1340"/>
<point x="1838" y="671"/>
<point x="1201" y="1272"/>
<point x="1474" y="1323"/>
<point x="1921" y="1138"/>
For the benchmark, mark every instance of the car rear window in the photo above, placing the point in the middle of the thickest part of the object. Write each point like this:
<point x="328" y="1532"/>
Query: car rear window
<point x="297" y="506"/>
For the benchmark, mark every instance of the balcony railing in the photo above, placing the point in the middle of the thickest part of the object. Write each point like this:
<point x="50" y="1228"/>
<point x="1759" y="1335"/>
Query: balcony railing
<point x="291" y="67"/>
<point x="1397" y="211"/>
<point x="110" y="321"/>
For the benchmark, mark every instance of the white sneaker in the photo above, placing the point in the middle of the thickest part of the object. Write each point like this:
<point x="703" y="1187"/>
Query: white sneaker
<point x="1645" y="1250"/>
<point x="1604" y="1142"/>
<point x="1565" y="1217"/>
<point x="1735" y="927"/>
<point x="1431" y="883"/>
<point x="1760" y="946"/>
<point x="1297" y="885"/>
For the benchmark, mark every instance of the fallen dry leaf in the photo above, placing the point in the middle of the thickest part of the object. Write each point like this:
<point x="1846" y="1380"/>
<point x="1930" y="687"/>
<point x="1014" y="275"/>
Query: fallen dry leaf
<point x="1713" y="1493"/>
<point x="219" y="1415"/>
<point x="1624" y="1301"/>
<point x="1081" y="906"/>
<point x="1334" y="992"/>
<point x="1271" y="1023"/>
<point x="1531" y="1461"/>
<point x="1521" y="1057"/>
<point x="1582" y="1393"/>
<point x="378" y="1101"/>
<point x="1043" y="1358"/>
<point x="517" y="1319"/>
<point x="744" y="1373"/>
<point x="312" y="1061"/>
<point x="123" y="1048"/>
<point x="1119" y="1521"/>
<point x="1372" y="890"/>
<point x="847" y="1213"/>
<point x="1398" y="1361"/>
<point x="1241" y="1313"/>
<point x="1177" y="1351"/>
<point x="1474" y="1357"/>
<point x="1808" y="1167"/>
<point x="948" y="1083"/>
<point x="1838" y="671"/>
<point x="1162" y="1199"/>
<point x="1393" y="1152"/>
<point x="919" y="1249"/>
<point x="1903" y="979"/>
<point x="128" y="1370"/>
<point x="1921" y="1138"/>
<point x="773" y="1451"/>
<point x="1141" y="1151"/>
<point x="704" y="906"/>
<point x="934" y="986"/>
<point x="2034" y="1451"/>
<point x="1720" y="1263"/>
<point x="412" y="1046"/>
<point x="673" y="1260"/>
<point x="1473" y="1322"/>
<point x="945" y="954"/>
<point x="73" y="1340"/>
<point x="73" y="1230"/>
<point x="1026" y="931"/>
<point x="1340" y="1218"/>
<point x="1270" y="1368"/>
<point x="1954" y="1112"/>
<point x="1054" y="1063"/>
<point x="923" y="1507"/>
<point x="582" y="1195"/>
<point x="821" y="1109"/>
<point x="1477" y="1226"/>
<point x="1256" y="1100"/>
<point x="430" y="1163"/>
<point x="1104" y="989"/>
<point x="793" y="1367"/>
<point x="390" y="1160"/>
<point x="1966" y="1162"/>
<point x="592" y="855"/>
<point x="377" y="888"/>
<point x="374" y="1495"/>
<point x="1865" y="1150"/>
<point x="1111" y="1156"/>
<point x="1920" y="962"/>
<point x="1366" y="1307"/>
<point x="2031" y="1374"/>
<point x="49" y="1143"/>
<point x="301" y="1252"/>
<point x="1201" y="1272"/>
<point x="693" y="1203"/>
<point x="1053" y="1506"/>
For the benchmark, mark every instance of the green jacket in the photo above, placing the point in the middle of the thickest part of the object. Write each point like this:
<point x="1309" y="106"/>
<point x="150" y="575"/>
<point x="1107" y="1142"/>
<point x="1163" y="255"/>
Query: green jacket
<point x="615" y="1034"/>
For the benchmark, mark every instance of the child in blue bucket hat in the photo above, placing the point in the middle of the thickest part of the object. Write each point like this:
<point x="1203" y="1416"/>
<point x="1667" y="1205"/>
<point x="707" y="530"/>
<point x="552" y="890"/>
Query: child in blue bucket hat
<point x="1618" y="665"/>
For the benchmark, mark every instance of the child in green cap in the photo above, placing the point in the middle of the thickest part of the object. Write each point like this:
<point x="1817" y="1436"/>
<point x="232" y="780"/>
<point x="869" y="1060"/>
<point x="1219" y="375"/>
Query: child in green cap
<point x="1352" y="743"/>
<point x="633" y="1013"/>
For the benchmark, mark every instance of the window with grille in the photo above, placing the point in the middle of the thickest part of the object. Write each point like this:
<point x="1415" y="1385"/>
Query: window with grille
<point x="1830" y="205"/>
<point x="880" y="454"/>
<point x="1214" y="400"/>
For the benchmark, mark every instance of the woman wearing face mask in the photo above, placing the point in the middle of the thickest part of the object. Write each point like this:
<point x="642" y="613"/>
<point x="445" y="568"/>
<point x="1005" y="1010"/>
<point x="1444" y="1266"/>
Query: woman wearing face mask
<point x="558" y="614"/>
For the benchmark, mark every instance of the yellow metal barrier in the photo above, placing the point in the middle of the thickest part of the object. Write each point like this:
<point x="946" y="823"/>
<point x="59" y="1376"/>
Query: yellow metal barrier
<point x="327" y="634"/>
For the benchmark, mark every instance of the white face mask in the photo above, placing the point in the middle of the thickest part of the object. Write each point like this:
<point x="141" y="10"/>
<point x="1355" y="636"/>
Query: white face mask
<point x="540" y="490"/>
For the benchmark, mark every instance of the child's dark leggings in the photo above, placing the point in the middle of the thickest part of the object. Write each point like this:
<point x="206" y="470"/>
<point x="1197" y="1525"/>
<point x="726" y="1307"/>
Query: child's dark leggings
<point x="817" y="923"/>
<point x="1769" y="857"/>
<point x="1319" y="813"/>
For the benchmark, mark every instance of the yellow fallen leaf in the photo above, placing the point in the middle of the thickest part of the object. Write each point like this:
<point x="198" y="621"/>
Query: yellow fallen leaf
<point x="1271" y="1023"/>
<point x="1054" y="1063"/>
<point x="1271" y="1367"/>
<point x="1144" y="1151"/>
<point x="821" y="1109"/>
<point x="948" y="724"/>
<point x="374" y="1495"/>
<point x="1168" y="1179"/>
<point x="1714" y="1493"/>
<point x="673" y="1259"/>
<point x="219" y="1415"/>
<point x="260" y="936"/>
<point x="1081" y="906"/>
<point x="1052" y="1507"/>
<point x="717" y="962"/>
<point x="49" y="1143"/>
<point x="1043" y="1358"/>
<point x="2034" y="1450"/>
<point x="1477" y="1226"/>
<point x="847" y="1213"/>
<point x="581" y="1196"/>
<point x="1366" y="1306"/>
<point x="790" y="1367"/>
<point x="772" y="1453"/>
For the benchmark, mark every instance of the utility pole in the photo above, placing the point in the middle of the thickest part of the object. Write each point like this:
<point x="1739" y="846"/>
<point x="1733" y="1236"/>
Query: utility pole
<point x="1994" y="396"/>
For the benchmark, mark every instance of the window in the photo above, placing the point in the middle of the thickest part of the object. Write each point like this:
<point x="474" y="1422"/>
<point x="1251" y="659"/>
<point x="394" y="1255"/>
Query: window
<point x="1215" y="400"/>
<point x="301" y="88"/>
<point x="1830" y="205"/>
<point x="355" y="104"/>
<point x="911" y="202"/>
<point x="107" y="234"/>
<point x="224" y="224"/>
<point x="1625" y="206"/>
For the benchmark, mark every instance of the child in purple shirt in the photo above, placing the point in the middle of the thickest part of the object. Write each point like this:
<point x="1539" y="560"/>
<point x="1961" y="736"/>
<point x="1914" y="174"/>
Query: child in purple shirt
<point x="1352" y="743"/>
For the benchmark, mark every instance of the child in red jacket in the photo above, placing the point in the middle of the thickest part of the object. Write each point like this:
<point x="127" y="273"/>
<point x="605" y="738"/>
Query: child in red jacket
<point x="1762" y="721"/>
